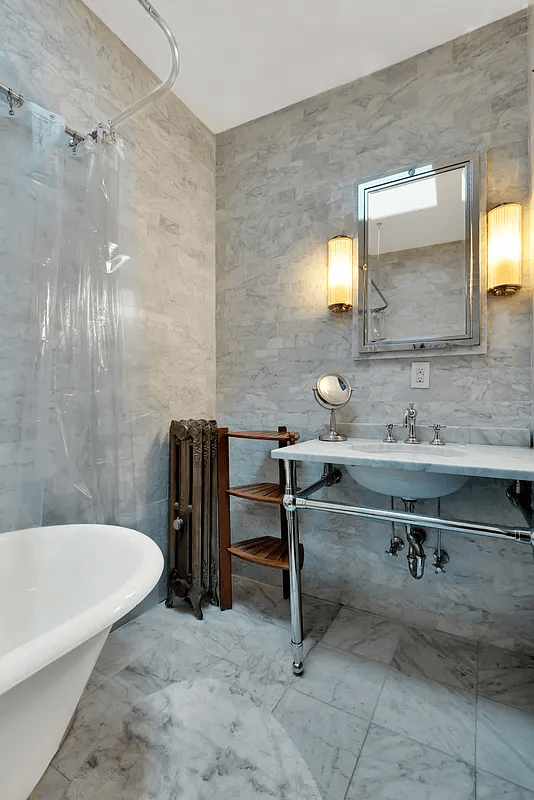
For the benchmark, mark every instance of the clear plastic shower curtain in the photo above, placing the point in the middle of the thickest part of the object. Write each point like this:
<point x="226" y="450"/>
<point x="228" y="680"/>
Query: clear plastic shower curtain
<point x="70" y="455"/>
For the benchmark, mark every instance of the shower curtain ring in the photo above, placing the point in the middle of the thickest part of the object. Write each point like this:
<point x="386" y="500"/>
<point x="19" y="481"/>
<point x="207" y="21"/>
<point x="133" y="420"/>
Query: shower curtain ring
<point x="11" y="99"/>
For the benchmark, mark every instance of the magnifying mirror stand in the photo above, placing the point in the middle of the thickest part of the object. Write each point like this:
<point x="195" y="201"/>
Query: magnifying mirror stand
<point x="332" y="391"/>
<point x="333" y="435"/>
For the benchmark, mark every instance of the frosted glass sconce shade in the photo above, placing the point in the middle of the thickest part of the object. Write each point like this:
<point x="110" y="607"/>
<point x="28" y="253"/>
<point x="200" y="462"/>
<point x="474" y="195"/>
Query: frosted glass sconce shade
<point x="504" y="249"/>
<point x="340" y="258"/>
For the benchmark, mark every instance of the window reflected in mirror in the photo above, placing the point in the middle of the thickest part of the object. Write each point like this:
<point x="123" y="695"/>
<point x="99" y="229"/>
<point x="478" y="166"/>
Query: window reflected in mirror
<point x="418" y="256"/>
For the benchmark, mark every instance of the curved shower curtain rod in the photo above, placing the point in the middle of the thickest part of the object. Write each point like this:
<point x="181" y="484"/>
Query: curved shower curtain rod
<point x="18" y="100"/>
<point x="167" y="84"/>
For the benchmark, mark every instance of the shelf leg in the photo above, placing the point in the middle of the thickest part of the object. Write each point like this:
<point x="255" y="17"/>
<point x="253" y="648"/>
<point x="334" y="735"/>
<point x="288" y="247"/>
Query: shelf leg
<point x="295" y="595"/>
<point x="223" y="483"/>
<point x="283" y="518"/>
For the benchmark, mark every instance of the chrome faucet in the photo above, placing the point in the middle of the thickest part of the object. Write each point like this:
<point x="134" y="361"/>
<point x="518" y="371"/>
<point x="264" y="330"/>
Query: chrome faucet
<point x="410" y="415"/>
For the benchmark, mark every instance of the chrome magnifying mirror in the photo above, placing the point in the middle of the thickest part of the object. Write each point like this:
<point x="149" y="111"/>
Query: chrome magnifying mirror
<point x="332" y="391"/>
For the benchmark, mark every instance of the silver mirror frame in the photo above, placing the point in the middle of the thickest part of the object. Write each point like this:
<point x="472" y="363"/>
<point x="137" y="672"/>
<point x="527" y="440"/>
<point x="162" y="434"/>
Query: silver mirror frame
<point x="474" y="289"/>
<point x="332" y="435"/>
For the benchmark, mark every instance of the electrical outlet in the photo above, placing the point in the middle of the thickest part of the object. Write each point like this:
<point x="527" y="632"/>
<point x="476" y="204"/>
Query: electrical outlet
<point x="420" y="375"/>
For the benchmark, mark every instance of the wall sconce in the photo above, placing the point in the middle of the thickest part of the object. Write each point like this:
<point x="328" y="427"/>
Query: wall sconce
<point x="340" y="258"/>
<point x="504" y="249"/>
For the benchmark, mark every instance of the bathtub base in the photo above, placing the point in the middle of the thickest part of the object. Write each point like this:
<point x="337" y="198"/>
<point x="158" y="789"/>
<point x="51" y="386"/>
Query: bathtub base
<point x="62" y="589"/>
<point x="36" y="714"/>
<point x="69" y="726"/>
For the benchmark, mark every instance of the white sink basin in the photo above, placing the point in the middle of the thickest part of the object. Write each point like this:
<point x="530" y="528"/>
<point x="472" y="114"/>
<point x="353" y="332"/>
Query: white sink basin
<point x="405" y="483"/>
<point x="408" y="451"/>
<point x="408" y="484"/>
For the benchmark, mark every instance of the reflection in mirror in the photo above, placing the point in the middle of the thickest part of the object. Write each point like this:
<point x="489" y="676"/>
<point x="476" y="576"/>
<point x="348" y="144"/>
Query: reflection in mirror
<point x="332" y="391"/>
<point x="418" y="278"/>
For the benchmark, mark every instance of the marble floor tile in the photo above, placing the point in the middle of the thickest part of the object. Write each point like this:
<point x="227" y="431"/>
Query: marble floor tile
<point x="163" y="748"/>
<point x="92" y="727"/>
<point x="363" y="634"/>
<point x="349" y="683"/>
<point x="172" y="660"/>
<point x="438" y="657"/>
<point x="168" y="661"/>
<point x="318" y="616"/>
<point x="217" y="633"/>
<point x="182" y="614"/>
<point x="125" y="644"/>
<point x="139" y="684"/>
<point x="329" y="739"/>
<point x="506" y="677"/>
<point x="266" y="602"/>
<point x="166" y="620"/>
<point x="393" y="767"/>
<point x="258" y="600"/>
<point x="429" y="712"/>
<point x="52" y="786"/>
<point x="243" y="681"/>
<point x="96" y="680"/>
<point x="266" y="650"/>
<point x="505" y="739"/>
<point x="416" y="718"/>
<point x="490" y="787"/>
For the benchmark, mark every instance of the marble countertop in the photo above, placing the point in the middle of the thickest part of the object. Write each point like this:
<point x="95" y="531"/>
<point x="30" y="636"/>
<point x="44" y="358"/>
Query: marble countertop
<point x="489" y="461"/>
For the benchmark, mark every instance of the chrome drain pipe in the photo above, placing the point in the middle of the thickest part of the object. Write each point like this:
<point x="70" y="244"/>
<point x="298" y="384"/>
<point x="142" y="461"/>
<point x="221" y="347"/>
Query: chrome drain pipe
<point x="331" y="475"/>
<point x="416" y="538"/>
<point x="441" y="556"/>
<point x="416" y="555"/>
<point x="520" y="535"/>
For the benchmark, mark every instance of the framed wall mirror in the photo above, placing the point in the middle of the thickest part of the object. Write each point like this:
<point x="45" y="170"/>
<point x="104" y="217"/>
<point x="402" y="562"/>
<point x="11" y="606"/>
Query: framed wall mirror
<point x="418" y="260"/>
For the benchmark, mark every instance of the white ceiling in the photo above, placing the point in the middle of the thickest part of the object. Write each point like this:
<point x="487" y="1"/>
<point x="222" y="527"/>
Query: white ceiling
<point x="242" y="59"/>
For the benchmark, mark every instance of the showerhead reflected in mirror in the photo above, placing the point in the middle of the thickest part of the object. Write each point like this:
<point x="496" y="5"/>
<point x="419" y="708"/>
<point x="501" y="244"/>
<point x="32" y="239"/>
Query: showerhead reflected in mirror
<point x="332" y="391"/>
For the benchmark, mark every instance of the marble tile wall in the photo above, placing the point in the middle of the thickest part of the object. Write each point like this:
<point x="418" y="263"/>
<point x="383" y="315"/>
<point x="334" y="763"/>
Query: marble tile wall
<point x="63" y="58"/>
<point x="286" y="183"/>
<point x="407" y="278"/>
<point x="530" y="49"/>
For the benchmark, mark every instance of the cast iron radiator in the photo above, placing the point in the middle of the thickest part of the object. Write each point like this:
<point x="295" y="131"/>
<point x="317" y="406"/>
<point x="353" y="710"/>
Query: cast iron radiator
<point x="193" y="570"/>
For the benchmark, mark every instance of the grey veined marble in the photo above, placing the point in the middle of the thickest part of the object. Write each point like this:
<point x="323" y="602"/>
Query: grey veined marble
<point x="287" y="183"/>
<point x="197" y="740"/>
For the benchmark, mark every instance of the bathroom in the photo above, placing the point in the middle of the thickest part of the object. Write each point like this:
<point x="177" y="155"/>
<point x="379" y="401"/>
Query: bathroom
<point x="231" y="233"/>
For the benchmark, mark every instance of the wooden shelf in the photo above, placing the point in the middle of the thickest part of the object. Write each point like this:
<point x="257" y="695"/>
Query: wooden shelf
<point x="268" y="436"/>
<point x="269" y="551"/>
<point x="261" y="492"/>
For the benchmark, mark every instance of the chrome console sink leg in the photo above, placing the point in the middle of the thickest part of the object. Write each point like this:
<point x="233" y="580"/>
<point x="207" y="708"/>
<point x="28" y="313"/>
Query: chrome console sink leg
<point x="295" y="595"/>
<point x="441" y="556"/>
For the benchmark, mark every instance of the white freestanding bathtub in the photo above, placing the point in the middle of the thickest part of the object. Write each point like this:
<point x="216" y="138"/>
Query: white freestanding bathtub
<point x="61" y="589"/>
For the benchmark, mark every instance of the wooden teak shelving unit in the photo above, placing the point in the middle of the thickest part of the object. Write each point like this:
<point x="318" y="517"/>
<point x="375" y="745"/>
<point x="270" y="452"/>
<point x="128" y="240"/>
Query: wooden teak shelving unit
<point x="269" y="551"/>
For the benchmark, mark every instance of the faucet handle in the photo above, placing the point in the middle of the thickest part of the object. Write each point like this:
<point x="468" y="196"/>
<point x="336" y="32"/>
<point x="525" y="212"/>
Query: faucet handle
<point x="389" y="426"/>
<point x="437" y="429"/>
<point x="409" y="413"/>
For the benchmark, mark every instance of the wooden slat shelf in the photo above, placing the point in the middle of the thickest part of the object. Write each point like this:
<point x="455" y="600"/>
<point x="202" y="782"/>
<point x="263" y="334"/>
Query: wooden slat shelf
<point x="261" y="492"/>
<point x="268" y="436"/>
<point x="269" y="551"/>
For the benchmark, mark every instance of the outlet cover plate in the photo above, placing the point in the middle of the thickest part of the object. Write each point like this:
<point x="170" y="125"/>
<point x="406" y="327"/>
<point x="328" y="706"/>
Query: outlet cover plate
<point x="420" y="375"/>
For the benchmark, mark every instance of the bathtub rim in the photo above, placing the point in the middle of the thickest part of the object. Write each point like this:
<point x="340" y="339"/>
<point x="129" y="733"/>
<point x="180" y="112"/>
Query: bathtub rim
<point x="28" y="658"/>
